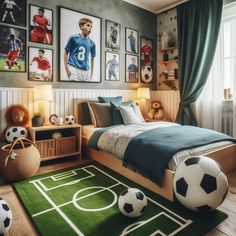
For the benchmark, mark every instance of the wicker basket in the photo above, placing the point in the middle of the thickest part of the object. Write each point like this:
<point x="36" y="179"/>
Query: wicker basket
<point x="19" y="160"/>
<point x="46" y="147"/>
<point x="65" y="145"/>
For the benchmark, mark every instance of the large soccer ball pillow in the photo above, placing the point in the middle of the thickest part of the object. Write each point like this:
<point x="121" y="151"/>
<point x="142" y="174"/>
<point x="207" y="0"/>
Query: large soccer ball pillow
<point x="200" y="184"/>
<point x="132" y="202"/>
<point x="15" y="132"/>
<point x="5" y="217"/>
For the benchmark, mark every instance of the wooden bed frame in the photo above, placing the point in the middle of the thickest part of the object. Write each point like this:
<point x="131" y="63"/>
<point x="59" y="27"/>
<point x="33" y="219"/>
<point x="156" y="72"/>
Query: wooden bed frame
<point x="225" y="156"/>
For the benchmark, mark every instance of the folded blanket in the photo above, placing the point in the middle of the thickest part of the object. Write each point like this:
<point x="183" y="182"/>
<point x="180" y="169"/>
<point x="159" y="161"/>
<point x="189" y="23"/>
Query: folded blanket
<point x="149" y="153"/>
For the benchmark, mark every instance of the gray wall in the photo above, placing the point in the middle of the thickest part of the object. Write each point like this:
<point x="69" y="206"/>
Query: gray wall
<point x="116" y="10"/>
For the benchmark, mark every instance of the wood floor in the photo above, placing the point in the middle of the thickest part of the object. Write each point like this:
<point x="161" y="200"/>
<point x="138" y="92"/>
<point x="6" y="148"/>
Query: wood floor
<point x="22" y="225"/>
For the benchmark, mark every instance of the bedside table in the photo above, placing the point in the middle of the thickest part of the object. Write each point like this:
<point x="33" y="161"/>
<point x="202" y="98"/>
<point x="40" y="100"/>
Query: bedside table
<point x="67" y="141"/>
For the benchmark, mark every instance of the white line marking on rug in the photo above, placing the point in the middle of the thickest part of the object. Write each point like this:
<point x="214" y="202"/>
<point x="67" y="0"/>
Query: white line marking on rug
<point x="60" y="212"/>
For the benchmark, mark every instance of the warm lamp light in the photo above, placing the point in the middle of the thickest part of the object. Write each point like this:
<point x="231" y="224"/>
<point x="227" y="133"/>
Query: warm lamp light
<point x="43" y="95"/>
<point x="143" y="93"/>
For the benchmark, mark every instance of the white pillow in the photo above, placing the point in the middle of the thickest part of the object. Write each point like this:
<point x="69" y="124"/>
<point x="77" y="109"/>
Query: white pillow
<point x="129" y="116"/>
<point x="138" y="112"/>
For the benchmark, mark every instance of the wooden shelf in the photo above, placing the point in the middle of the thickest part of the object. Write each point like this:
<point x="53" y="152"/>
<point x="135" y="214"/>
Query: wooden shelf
<point x="168" y="62"/>
<point x="168" y="49"/>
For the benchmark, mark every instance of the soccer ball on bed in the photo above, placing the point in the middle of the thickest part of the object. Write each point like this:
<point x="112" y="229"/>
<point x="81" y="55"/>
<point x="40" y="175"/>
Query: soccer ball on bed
<point x="5" y="217"/>
<point x="132" y="202"/>
<point x="200" y="184"/>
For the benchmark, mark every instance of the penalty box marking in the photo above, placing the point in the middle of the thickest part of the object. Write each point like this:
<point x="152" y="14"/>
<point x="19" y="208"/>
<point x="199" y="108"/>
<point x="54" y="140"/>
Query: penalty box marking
<point x="55" y="207"/>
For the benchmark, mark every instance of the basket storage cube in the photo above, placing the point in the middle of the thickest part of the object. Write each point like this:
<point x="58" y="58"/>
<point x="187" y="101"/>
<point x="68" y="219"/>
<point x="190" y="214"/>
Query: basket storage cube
<point x="46" y="147"/>
<point x="65" y="145"/>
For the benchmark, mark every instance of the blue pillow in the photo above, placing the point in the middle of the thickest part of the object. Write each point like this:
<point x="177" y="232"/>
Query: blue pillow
<point x="115" y="111"/>
<point x="116" y="116"/>
<point x="117" y="100"/>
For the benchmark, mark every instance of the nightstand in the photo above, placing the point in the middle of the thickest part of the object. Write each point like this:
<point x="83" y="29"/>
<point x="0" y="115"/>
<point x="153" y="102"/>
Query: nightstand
<point x="55" y="141"/>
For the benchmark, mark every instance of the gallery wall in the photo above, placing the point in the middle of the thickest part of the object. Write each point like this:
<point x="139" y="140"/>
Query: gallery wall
<point x="115" y="10"/>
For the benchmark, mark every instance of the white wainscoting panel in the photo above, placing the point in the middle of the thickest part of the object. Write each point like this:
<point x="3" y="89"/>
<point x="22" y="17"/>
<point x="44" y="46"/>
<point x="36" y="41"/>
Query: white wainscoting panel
<point x="64" y="100"/>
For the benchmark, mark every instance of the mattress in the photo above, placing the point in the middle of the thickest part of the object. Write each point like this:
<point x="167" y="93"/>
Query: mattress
<point x="88" y="130"/>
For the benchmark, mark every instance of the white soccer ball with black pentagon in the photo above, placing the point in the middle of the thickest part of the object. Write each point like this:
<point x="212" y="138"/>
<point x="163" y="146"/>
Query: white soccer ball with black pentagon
<point x="69" y="120"/>
<point x="146" y="74"/>
<point x="5" y="217"/>
<point x="132" y="202"/>
<point x="200" y="184"/>
<point x="15" y="132"/>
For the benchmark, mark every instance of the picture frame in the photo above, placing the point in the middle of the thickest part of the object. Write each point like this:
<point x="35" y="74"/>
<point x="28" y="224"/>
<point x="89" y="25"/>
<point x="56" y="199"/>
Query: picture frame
<point x="146" y="57"/>
<point x="113" y="35"/>
<point x="40" y="25"/>
<point x="131" y="68"/>
<point x="112" y="66"/>
<point x="18" y="10"/>
<point x="13" y="49"/>
<point x="40" y="64"/>
<point x="80" y="66"/>
<point x="131" y="40"/>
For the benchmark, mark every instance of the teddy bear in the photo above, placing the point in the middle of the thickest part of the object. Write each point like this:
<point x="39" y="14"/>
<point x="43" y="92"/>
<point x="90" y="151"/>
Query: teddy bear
<point x="156" y="112"/>
<point x="17" y="117"/>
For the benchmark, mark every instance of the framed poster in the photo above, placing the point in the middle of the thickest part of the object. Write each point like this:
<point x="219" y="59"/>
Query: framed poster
<point x="131" y="40"/>
<point x="40" y="64"/>
<point x="113" y="30"/>
<point x="12" y="49"/>
<point x="13" y="12"/>
<point x="112" y="66"/>
<point x="41" y="25"/>
<point x="146" y="55"/>
<point x="80" y="46"/>
<point x="131" y="68"/>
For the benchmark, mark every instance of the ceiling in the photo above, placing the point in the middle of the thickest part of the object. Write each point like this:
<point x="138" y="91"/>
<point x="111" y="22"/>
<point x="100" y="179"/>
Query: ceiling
<point x="155" y="5"/>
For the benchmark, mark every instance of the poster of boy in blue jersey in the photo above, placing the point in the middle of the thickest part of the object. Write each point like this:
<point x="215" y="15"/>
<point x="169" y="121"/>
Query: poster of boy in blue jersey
<point x="80" y="51"/>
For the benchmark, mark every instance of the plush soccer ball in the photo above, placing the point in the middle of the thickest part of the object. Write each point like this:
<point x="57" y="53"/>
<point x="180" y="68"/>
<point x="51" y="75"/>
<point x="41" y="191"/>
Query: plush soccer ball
<point x="5" y="217"/>
<point x="15" y="132"/>
<point x="69" y="120"/>
<point x="132" y="202"/>
<point x="200" y="184"/>
<point x="146" y="74"/>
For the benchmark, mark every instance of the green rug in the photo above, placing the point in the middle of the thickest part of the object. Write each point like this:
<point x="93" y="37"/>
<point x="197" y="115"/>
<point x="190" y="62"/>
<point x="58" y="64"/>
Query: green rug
<point x="82" y="201"/>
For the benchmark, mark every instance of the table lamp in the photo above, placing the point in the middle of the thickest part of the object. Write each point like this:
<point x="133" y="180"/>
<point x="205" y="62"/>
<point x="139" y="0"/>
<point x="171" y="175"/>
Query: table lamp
<point x="143" y="94"/>
<point x="43" y="95"/>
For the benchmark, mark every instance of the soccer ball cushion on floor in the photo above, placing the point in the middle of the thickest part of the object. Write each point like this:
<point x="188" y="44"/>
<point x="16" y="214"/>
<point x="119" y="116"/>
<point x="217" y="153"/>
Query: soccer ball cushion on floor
<point x="200" y="184"/>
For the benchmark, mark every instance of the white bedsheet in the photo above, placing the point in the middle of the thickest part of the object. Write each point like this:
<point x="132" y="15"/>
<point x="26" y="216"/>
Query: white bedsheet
<point x="116" y="140"/>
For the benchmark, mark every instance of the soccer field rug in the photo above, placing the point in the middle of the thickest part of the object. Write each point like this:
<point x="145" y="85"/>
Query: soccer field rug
<point x="83" y="201"/>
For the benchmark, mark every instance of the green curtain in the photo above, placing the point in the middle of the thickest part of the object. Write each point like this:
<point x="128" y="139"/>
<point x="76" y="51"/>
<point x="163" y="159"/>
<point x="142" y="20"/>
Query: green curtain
<point x="198" y="24"/>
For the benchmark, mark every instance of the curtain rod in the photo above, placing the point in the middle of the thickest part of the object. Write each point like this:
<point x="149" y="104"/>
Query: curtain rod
<point x="171" y="6"/>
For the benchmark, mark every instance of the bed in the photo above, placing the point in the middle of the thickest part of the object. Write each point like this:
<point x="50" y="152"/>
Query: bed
<point x="216" y="151"/>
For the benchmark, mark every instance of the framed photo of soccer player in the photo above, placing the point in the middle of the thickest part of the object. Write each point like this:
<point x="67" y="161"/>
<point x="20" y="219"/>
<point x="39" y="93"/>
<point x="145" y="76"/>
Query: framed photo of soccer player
<point x="12" y="49"/>
<point x="131" y="40"/>
<point x="146" y="55"/>
<point x="13" y="12"/>
<point x="112" y="35"/>
<point x="112" y="66"/>
<point x="40" y="64"/>
<point x="131" y="68"/>
<point x="80" y="46"/>
<point x="41" y="25"/>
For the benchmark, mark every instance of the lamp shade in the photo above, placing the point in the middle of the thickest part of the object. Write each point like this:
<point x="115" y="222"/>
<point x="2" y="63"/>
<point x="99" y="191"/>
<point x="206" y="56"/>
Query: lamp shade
<point x="143" y="93"/>
<point x="43" y="93"/>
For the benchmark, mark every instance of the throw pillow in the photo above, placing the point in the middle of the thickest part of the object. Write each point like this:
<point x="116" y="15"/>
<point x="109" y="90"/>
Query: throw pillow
<point x="129" y="116"/>
<point x="117" y="100"/>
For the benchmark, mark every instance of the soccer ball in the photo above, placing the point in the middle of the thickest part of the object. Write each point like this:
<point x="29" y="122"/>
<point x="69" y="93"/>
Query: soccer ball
<point x="15" y="132"/>
<point x="200" y="184"/>
<point x="5" y="217"/>
<point x="146" y="74"/>
<point x="69" y="120"/>
<point x="132" y="202"/>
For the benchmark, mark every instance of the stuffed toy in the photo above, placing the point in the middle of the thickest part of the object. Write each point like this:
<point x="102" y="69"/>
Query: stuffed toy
<point x="17" y="117"/>
<point x="156" y="112"/>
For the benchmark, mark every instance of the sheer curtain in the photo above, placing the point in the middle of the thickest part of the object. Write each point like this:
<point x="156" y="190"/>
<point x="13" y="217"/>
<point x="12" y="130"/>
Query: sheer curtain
<point x="222" y="75"/>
